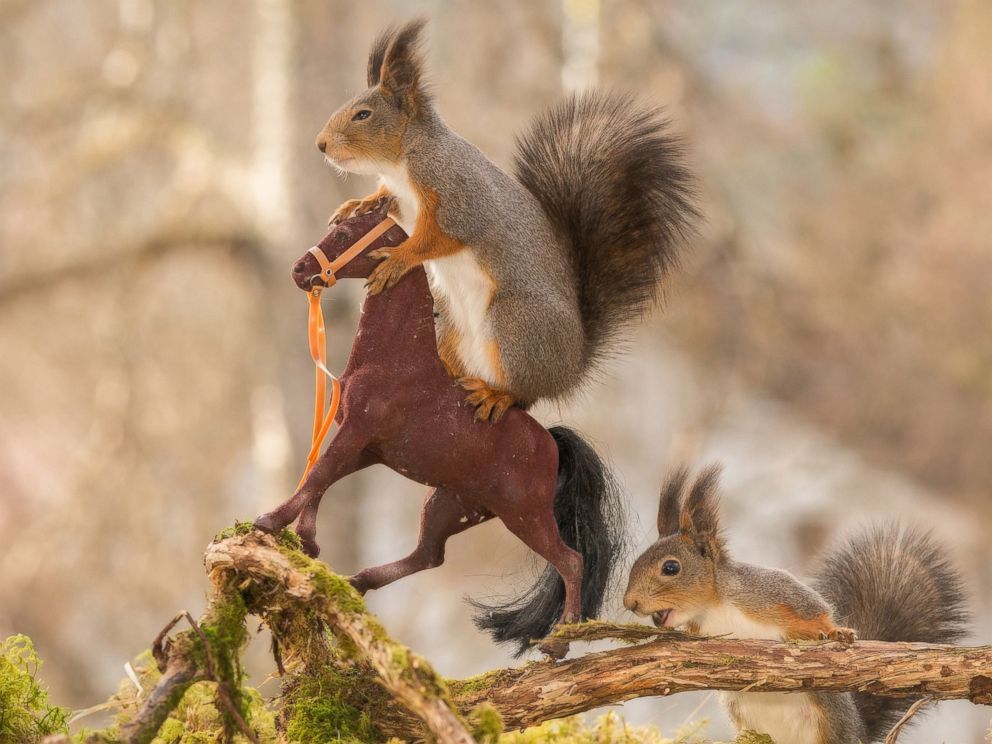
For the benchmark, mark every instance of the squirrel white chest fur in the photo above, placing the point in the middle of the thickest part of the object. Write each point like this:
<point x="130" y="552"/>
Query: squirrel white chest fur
<point x="787" y="717"/>
<point x="466" y="291"/>
<point x="458" y="281"/>
<point x="397" y="182"/>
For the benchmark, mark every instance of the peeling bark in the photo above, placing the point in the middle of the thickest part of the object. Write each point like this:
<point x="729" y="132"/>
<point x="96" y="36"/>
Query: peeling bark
<point x="907" y="670"/>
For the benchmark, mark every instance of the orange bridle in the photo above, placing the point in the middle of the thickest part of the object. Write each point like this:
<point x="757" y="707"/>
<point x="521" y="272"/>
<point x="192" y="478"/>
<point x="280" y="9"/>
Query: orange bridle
<point x="318" y="341"/>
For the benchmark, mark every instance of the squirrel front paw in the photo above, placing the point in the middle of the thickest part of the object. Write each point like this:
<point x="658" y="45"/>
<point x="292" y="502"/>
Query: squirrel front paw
<point x="841" y="635"/>
<point x="490" y="403"/>
<point x="390" y="270"/>
<point x="356" y="207"/>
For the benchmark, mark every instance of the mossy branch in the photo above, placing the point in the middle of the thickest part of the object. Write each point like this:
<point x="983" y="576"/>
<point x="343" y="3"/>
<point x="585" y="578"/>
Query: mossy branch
<point x="296" y="583"/>
<point x="673" y="662"/>
<point x="208" y="651"/>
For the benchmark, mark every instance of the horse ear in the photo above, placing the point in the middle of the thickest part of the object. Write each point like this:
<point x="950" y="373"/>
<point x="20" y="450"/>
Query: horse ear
<point x="700" y="517"/>
<point x="671" y="502"/>
<point x="377" y="54"/>
<point x="401" y="73"/>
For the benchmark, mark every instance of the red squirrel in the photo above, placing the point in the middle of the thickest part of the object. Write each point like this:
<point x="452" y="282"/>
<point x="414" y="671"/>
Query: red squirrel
<point x="886" y="584"/>
<point x="535" y="275"/>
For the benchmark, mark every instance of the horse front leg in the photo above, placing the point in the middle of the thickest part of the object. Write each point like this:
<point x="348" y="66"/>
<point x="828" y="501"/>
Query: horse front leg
<point x="344" y="455"/>
<point x="443" y="516"/>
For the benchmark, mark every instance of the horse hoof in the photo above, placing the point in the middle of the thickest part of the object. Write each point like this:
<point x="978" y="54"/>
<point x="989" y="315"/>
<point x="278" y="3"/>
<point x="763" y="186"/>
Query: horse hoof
<point x="311" y="548"/>
<point x="358" y="583"/>
<point x="554" y="648"/>
<point x="265" y="523"/>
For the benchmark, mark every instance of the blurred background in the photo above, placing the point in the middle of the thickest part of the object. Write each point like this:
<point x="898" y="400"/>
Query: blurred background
<point x="827" y="342"/>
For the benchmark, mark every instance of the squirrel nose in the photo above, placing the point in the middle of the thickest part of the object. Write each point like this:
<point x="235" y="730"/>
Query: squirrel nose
<point x="322" y="145"/>
<point x="631" y="604"/>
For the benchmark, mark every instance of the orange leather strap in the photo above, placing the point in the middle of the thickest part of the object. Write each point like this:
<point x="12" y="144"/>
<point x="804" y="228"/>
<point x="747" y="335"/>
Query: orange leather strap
<point x="317" y="339"/>
<point x="329" y="269"/>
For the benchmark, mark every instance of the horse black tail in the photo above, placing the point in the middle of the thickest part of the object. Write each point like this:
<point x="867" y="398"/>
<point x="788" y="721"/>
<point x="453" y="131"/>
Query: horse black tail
<point x="589" y="511"/>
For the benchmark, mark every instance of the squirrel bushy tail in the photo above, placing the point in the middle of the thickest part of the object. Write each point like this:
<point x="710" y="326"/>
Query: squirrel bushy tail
<point x="610" y="177"/>
<point x="588" y="508"/>
<point x="892" y="583"/>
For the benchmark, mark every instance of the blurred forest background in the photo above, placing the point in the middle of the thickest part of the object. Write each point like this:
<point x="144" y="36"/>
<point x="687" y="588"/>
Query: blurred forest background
<point x="828" y="341"/>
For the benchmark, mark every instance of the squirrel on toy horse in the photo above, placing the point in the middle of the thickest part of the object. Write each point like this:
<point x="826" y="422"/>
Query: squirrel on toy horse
<point x="399" y="407"/>
<point x="529" y="280"/>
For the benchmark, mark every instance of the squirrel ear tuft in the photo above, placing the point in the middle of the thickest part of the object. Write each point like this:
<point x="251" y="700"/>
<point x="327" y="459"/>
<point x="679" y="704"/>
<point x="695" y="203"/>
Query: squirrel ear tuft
<point x="670" y="503"/>
<point x="401" y="72"/>
<point x="377" y="54"/>
<point x="700" y="516"/>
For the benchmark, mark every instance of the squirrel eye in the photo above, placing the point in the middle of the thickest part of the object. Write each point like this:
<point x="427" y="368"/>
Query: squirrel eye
<point x="670" y="568"/>
<point x="362" y="115"/>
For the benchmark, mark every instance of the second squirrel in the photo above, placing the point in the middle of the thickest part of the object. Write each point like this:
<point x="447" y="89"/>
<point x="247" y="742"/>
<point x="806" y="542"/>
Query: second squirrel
<point x="534" y="275"/>
<point x="888" y="584"/>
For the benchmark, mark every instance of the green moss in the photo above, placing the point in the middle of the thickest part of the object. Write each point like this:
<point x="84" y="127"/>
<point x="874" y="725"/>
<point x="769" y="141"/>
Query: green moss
<point x="25" y="713"/>
<point x="238" y="530"/>
<point x="195" y="718"/>
<point x="286" y="538"/>
<point x="474" y="685"/>
<point x="336" y="705"/>
<point x="336" y="588"/>
<point x="401" y="657"/>
<point x="608" y="729"/>
<point x="487" y="724"/>
<point x="196" y="714"/>
<point x="750" y="737"/>
<point x="225" y="631"/>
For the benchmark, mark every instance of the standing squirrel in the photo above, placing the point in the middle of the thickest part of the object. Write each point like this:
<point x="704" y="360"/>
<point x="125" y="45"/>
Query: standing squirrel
<point x="887" y="584"/>
<point x="535" y="275"/>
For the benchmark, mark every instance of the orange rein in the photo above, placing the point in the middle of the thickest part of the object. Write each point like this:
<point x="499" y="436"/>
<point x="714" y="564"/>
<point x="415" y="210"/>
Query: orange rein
<point x="317" y="339"/>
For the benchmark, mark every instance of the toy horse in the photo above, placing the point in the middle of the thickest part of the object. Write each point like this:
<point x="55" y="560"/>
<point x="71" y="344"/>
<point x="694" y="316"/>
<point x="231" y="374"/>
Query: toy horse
<point x="400" y="408"/>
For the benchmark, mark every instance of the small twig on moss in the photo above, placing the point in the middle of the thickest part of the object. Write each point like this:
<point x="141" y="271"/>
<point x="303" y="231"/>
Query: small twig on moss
<point x="893" y="735"/>
<point x="159" y="651"/>
<point x="224" y="692"/>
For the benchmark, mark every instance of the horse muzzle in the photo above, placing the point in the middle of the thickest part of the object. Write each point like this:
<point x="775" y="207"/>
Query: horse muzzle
<point x="307" y="273"/>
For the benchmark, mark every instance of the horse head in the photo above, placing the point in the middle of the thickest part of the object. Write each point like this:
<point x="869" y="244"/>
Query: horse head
<point x="310" y="271"/>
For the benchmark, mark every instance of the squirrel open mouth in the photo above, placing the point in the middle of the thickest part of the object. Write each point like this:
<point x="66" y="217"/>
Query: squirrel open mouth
<point x="660" y="618"/>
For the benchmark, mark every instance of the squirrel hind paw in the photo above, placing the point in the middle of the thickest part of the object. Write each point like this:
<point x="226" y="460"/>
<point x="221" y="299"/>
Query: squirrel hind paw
<point x="841" y="635"/>
<point x="490" y="403"/>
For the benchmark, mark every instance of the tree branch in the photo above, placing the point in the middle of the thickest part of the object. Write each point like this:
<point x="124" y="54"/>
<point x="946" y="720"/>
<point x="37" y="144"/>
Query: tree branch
<point x="539" y="692"/>
<point x="674" y="662"/>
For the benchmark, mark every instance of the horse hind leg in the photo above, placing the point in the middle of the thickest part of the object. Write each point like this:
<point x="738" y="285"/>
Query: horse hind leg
<point x="444" y="514"/>
<point x="539" y="531"/>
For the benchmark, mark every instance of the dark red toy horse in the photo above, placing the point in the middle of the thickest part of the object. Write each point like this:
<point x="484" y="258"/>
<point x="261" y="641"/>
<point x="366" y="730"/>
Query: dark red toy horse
<point x="399" y="407"/>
